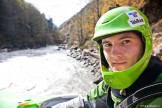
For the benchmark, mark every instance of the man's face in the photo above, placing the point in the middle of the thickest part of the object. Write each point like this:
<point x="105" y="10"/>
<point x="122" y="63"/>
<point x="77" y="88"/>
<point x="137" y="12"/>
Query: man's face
<point x="122" y="50"/>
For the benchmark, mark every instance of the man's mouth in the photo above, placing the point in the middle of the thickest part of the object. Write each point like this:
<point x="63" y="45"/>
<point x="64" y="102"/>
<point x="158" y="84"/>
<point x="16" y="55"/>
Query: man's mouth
<point x="118" y="63"/>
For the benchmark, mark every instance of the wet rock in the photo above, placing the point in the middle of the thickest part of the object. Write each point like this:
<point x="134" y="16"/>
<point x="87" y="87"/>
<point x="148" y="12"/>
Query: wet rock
<point x="78" y="58"/>
<point x="3" y="50"/>
<point x="89" y="57"/>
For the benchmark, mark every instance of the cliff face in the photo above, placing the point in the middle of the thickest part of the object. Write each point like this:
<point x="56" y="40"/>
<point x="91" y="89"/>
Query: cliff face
<point x="80" y="27"/>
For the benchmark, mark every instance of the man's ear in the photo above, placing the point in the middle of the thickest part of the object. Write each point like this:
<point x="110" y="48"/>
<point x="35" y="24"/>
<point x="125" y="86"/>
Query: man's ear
<point x="103" y="59"/>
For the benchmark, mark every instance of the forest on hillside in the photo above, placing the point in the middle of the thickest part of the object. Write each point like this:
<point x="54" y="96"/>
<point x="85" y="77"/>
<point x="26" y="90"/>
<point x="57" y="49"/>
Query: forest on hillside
<point x="23" y="26"/>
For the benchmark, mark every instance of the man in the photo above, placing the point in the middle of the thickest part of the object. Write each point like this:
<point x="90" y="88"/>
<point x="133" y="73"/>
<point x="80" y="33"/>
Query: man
<point x="124" y="39"/>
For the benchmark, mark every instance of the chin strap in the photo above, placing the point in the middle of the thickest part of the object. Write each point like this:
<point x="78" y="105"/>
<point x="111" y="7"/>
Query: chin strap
<point x="148" y="92"/>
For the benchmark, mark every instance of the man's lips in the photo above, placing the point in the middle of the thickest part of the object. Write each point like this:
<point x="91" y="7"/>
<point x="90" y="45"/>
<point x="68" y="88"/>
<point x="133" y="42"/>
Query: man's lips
<point x="118" y="63"/>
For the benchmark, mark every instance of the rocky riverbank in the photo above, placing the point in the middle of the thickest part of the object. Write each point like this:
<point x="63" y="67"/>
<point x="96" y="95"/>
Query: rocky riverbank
<point x="89" y="58"/>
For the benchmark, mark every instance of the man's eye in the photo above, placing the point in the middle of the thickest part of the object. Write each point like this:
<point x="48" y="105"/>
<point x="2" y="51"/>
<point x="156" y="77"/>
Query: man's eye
<point x="126" y="41"/>
<point x="107" y="45"/>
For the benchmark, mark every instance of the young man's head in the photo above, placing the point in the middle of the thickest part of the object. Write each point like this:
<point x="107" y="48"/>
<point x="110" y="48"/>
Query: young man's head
<point x="124" y="38"/>
<point x="122" y="50"/>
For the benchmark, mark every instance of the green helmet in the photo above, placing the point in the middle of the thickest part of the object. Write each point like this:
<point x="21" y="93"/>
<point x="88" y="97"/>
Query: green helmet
<point x="119" y="20"/>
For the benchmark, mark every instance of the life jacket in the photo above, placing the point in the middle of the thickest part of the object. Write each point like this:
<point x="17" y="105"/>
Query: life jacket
<point x="148" y="92"/>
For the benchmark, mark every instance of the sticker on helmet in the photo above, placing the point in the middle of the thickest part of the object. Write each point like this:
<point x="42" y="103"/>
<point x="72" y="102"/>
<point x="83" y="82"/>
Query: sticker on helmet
<point x="135" y="19"/>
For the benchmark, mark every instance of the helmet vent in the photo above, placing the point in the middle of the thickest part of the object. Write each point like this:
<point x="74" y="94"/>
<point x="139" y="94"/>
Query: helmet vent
<point x="105" y="22"/>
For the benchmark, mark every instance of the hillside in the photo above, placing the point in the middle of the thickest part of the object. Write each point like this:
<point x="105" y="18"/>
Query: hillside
<point x="23" y="26"/>
<point x="79" y="29"/>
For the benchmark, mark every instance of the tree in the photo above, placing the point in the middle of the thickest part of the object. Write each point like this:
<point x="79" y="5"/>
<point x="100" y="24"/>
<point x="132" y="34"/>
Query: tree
<point x="22" y="25"/>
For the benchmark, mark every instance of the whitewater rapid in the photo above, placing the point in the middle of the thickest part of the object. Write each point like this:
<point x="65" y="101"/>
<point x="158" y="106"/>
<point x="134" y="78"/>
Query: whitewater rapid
<point x="44" y="71"/>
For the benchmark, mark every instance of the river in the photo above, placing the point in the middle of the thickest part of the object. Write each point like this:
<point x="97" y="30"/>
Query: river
<point x="44" y="71"/>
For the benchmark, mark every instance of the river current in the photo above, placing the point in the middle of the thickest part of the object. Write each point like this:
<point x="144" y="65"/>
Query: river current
<point x="44" y="71"/>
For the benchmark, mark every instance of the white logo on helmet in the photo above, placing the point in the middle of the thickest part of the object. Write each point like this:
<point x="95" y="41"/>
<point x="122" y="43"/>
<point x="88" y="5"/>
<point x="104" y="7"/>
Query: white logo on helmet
<point x="135" y="19"/>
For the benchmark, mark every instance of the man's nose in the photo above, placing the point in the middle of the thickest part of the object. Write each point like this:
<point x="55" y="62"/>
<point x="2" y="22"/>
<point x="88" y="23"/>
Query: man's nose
<point x="116" y="51"/>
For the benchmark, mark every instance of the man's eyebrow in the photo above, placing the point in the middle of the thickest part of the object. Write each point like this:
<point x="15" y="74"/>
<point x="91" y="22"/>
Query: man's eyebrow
<point x="106" y="41"/>
<point x="124" y="37"/>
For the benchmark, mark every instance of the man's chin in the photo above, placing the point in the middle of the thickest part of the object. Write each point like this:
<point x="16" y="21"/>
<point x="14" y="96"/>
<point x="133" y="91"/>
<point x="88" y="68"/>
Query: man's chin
<point x="119" y="69"/>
